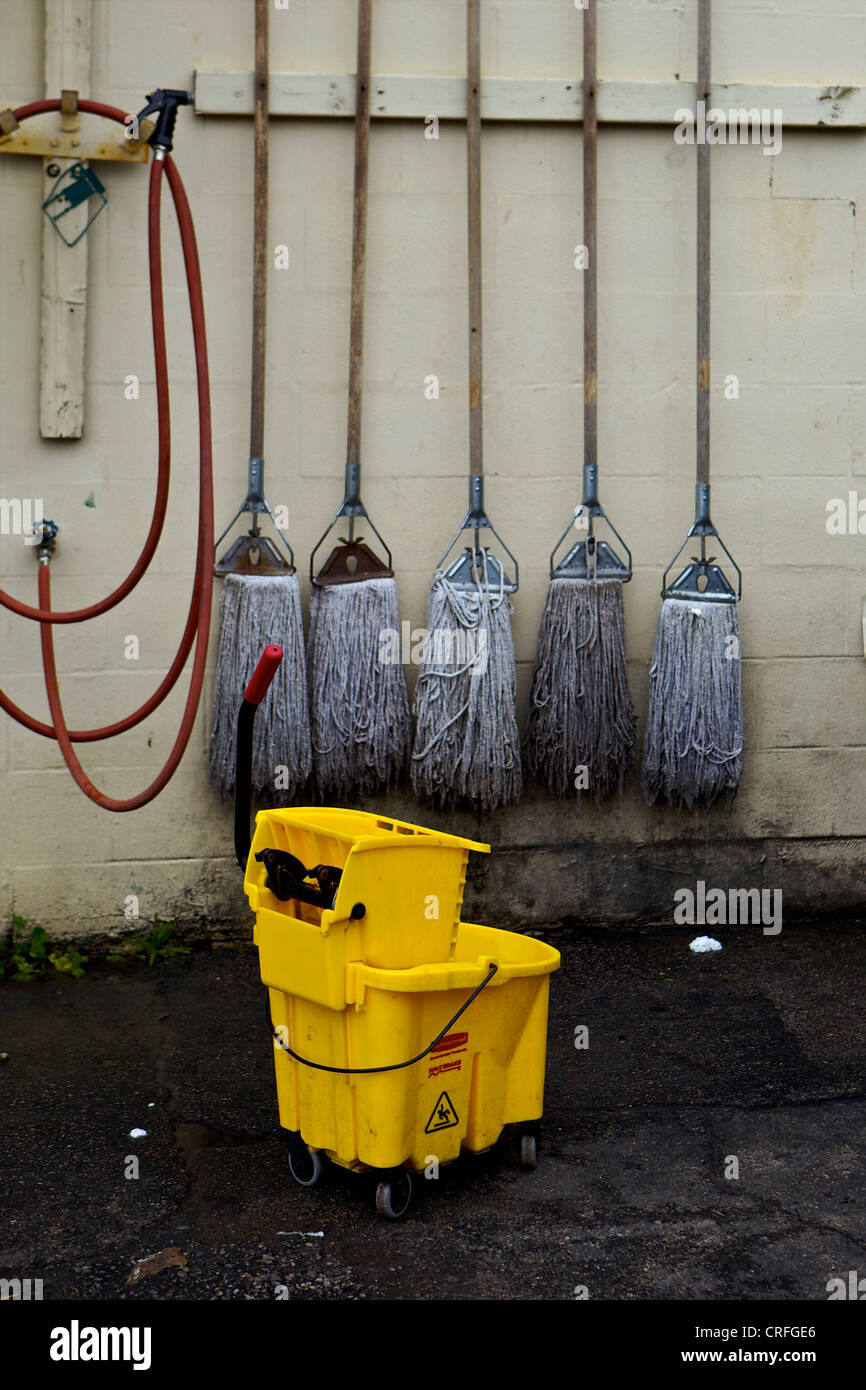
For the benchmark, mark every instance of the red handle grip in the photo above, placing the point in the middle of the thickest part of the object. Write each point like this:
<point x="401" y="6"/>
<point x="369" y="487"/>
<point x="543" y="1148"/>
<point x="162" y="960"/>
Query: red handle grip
<point x="263" y="674"/>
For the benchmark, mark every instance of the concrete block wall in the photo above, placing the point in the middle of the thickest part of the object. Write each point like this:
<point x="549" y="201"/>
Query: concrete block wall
<point x="789" y="320"/>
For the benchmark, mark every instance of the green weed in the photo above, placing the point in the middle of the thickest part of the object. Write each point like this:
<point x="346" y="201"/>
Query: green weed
<point x="30" y="957"/>
<point x="154" y="947"/>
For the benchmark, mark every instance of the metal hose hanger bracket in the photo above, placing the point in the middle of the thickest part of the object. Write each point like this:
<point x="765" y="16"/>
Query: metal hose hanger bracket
<point x="392" y="1066"/>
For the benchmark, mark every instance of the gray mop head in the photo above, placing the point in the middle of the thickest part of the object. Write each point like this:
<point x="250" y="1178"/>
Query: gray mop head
<point x="580" y="708"/>
<point x="467" y="745"/>
<point x="254" y="611"/>
<point x="359" y="703"/>
<point x="693" y="750"/>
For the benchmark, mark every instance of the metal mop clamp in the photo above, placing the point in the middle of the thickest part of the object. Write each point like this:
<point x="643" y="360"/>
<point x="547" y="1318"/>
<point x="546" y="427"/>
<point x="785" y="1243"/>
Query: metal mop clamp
<point x="477" y="566"/>
<point x="352" y="559"/>
<point x="254" y="553"/>
<point x="591" y="558"/>
<point x="703" y="578"/>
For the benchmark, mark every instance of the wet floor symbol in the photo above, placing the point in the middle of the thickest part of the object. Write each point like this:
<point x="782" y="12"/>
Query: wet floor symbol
<point x="444" y="1115"/>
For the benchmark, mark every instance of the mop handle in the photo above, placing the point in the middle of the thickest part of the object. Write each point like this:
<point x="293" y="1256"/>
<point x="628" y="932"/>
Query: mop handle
<point x="590" y="238"/>
<point x="359" y="239"/>
<point x="703" y="256"/>
<point x="260" y="235"/>
<point x="473" y="169"/>
<point x="255" y="692"/>
<point x="264" y="673"/>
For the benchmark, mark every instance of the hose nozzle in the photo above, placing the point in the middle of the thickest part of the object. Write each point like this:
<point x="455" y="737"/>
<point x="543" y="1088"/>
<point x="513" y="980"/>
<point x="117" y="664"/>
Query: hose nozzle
<point x="164" y="103"/>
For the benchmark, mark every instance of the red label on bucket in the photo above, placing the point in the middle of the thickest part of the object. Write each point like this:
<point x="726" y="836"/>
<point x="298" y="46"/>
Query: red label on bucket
<point x="456" y="1065"/>
<point x="454" y="1042"/>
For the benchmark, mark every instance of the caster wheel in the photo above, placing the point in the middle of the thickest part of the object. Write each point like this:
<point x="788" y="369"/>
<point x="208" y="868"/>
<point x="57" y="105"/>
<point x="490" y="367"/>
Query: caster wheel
<point x="305" y="1165"/>
<point x="393" y="1198"/>
<point x="528" y="1152"/>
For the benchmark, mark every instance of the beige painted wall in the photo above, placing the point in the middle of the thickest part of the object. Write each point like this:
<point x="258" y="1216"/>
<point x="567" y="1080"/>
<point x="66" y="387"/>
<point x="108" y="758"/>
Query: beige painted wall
<point x="789" y="269"/>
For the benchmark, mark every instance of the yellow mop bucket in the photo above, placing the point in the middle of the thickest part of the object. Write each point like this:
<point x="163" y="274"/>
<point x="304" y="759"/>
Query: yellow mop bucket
<point x="401" y="1034"/>
<point x="416" y="1064"/>
<point x="396" y="891"/>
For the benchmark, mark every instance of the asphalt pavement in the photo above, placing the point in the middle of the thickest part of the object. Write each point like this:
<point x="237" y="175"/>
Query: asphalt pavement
<point x="753" y="1054"/>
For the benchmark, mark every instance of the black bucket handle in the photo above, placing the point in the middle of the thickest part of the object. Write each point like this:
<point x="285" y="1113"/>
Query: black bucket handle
<point x="392" y="1066"/>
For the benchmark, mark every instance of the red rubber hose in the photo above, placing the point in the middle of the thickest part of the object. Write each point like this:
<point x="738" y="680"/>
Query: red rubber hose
<point x="162" y="398"/>
<point x="164" y="425"/>
<point x="94" y="108"/>
<point x="204" y="573"/>
<point x="198" y="620"/>
<point x="131" y="720"/>
<point x="163" y="414"/>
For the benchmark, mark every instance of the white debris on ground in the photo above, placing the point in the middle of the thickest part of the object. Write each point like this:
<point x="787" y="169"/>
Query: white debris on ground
<point x="705" y="943"/>
<point x="138" y="1134"/>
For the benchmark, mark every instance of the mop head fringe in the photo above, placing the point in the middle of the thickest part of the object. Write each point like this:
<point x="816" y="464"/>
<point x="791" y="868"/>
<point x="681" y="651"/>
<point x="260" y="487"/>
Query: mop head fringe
<point x="254" y="611"/>
<point x="467" y="745"/>
<point x="359" y="703"/>
<point x="581" y="714"/>
<point x="693" y="749"/>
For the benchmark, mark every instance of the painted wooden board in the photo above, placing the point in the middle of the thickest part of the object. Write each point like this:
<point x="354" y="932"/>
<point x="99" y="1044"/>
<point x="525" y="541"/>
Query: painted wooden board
<point x="405" y="97"/>
<point x="64" y="268"/>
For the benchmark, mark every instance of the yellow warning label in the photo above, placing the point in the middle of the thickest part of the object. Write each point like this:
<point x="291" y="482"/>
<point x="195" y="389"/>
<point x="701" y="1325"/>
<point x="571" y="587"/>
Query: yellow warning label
<point x="444" y="1115"/>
